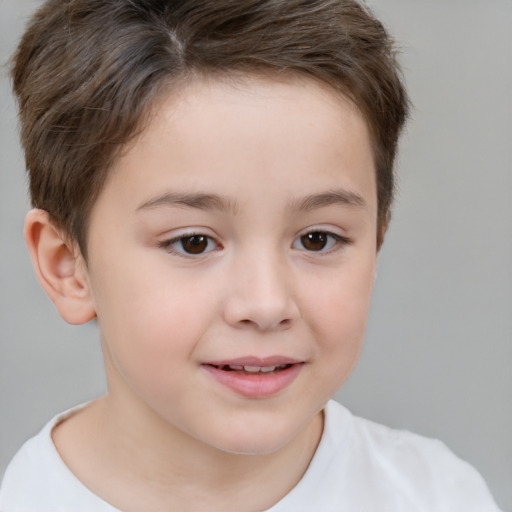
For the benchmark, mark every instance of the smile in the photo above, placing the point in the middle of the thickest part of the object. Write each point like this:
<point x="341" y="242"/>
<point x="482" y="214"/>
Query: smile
<point x="252" y="369"/>
<point x="255" y="378"/>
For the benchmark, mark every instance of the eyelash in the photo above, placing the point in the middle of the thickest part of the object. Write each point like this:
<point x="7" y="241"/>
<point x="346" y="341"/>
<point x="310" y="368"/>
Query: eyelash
<point x="334" y="242"/>
<point x="168" y="245"/>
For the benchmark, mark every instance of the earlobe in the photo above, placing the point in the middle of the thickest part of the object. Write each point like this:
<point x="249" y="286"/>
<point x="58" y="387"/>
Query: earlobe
<point x="60" y="268"/>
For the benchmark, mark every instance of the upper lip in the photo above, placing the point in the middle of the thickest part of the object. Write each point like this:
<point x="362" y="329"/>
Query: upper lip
<point x="255" y="361"/>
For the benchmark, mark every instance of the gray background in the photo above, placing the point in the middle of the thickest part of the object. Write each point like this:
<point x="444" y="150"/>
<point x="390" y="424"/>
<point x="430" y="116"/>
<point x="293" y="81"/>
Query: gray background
<point x="438" y="354"/>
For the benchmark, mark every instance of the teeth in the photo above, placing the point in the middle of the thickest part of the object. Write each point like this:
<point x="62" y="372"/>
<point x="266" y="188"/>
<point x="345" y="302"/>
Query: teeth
<point x="252" y="369"/>
<point x="264" y="369"/>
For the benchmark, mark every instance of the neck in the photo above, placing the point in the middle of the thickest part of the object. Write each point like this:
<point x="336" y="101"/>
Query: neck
<point x="156" y="466"/>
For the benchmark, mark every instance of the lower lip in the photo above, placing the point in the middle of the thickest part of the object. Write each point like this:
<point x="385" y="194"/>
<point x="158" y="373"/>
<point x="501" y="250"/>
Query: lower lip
<point x="255" y="385"/>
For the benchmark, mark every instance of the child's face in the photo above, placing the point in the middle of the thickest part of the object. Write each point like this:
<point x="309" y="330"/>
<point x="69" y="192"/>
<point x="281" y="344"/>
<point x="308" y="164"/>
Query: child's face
<point x="238" y="230"/>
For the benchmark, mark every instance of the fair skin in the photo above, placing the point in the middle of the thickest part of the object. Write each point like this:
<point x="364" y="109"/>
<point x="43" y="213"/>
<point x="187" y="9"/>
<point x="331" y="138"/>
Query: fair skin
<point x="231" y="257"/>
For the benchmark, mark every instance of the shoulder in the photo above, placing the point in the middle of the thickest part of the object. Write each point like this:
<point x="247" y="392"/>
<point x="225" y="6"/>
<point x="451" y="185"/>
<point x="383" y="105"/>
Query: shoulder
<point x="38" y="480"/>
<point x="29" y="469"/>
<point x="417" y="468"/>
<point x="421" y="458"/>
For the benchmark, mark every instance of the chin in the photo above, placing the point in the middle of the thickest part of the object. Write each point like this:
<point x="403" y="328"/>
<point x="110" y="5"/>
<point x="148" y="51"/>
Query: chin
<point x="257" y="440"/>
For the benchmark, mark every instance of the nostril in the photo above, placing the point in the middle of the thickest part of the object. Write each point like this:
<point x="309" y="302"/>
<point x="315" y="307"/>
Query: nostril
<point x="268" y="312"/>
<point x="283" y="324"/>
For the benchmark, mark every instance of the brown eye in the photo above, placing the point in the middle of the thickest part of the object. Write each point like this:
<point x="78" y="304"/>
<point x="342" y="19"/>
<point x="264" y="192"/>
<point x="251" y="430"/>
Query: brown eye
<point x="190" y="245"/>
<point x="320" y="241"/>
<point x="195" y="244"/>
<point x="315" y="241"/>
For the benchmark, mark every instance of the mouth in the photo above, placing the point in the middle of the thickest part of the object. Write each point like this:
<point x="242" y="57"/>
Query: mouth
<point x="250" y="369"/>
<point x="254" y="377"/>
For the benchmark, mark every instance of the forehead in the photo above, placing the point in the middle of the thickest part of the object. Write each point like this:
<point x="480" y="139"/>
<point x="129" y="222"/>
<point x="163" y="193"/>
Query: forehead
<point x="289" y="131"/>
<point x="256" y="96"/>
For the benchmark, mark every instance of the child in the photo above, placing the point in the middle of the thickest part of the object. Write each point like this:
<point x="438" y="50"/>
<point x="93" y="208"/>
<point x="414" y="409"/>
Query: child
<point x="212" y="182"/>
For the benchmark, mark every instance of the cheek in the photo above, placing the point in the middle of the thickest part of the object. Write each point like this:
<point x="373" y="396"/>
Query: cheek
<point x="150" y="340"/>
<point x="341" y="312"/>
<point x="146" y="322"/>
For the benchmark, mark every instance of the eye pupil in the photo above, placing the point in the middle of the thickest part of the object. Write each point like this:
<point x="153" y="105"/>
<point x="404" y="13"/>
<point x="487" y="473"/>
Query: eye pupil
<point x="195" y="244"/>
<point x="314" y="241"/>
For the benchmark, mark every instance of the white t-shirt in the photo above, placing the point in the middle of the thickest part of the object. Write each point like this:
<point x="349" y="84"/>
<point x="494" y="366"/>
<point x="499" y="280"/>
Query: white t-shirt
<point x="359" y="466"/>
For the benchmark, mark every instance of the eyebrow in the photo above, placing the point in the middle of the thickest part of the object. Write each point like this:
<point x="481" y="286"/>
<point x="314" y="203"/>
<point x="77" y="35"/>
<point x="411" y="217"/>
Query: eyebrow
<point x="332" y="197"/>
<point x="227" y="205"/>
<point x="191" y="200"/>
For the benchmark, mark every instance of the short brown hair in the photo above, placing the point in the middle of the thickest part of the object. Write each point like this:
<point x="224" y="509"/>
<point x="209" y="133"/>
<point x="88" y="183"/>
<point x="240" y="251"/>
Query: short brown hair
<point x="86" y="73"/>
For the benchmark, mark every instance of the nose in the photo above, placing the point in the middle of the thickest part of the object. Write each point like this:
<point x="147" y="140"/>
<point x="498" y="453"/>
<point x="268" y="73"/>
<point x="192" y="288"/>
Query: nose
<point x="261" y="295"/>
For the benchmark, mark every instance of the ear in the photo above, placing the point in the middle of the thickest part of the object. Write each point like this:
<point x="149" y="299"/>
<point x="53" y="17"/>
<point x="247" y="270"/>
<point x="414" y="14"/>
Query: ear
<point x="60" y="268"/>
